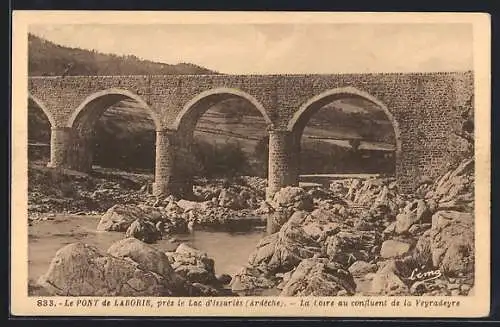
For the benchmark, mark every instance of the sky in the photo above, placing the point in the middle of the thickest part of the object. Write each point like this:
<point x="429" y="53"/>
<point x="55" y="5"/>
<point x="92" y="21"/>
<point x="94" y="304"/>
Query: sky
<point x="280" y="48"/>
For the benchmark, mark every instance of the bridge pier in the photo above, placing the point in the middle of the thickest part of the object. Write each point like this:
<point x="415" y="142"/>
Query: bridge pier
<point x="164" y="162"/>
<point x="60" y="144"/>
<point x="70" y="150"/>
<point x="283" y="162"/>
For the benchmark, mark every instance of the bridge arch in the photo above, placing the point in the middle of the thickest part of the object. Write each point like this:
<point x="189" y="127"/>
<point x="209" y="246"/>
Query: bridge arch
<point x="299" y="120"/>
<point x="183" y="127"/>
<point x="95" y="104"/>
<point x="39" y="104"/>
<point x="41" y="128"/>
<point x="82" y="123"/>
<point x="196" y="106"/>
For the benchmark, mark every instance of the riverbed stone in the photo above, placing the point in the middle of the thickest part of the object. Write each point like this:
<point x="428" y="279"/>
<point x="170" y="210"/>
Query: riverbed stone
<point x="361" y="268"/>
<point x="248" y="280"/>
<point x="295" y="197"/>
<point x="347" y="247"/>
<point x="394" y="249"/>
<point x="146" y="255"/>
<point x="285" y="250"/>
<point x="144" y="231"/>
<point x="119" y="217"/>
<point x="192" y="264"/>
<point x="387" y="281"/>
<point x="414" y="212"/>
<point x="319" y="277"/>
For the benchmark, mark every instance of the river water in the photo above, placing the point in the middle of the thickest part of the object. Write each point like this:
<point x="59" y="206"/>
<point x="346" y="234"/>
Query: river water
<point x="229" y="250"/>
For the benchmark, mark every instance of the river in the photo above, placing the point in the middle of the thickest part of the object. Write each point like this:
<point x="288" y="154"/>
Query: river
<point x="229" y="250"/>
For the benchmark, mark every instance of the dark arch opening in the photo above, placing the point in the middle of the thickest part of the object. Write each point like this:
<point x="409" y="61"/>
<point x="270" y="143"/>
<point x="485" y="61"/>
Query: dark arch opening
<point x="222" y="131"/>
<point x="39" y="129"/>
<point x="114" y="129"/>
<point x="346" y="133"/>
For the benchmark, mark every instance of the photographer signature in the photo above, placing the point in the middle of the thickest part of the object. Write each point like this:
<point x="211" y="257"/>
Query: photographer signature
<point x="422" y="275"/>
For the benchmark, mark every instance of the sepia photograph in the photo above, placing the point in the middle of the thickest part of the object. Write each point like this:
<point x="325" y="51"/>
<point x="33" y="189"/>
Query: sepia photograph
<point x="301" y="165"/>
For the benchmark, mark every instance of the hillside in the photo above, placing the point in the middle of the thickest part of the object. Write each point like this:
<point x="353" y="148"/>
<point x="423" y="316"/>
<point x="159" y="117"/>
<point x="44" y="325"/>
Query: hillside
<point x="49" y="59"/>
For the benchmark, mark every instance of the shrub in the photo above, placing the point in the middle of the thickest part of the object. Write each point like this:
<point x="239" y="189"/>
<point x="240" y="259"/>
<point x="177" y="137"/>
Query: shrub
<point x="220" y="160"/>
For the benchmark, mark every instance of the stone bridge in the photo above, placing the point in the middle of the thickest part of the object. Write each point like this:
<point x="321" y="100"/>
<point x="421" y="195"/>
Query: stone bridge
<point x="423" y="108"/>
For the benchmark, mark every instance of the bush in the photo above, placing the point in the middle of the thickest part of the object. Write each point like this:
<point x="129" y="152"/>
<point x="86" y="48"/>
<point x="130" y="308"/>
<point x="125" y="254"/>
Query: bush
<point x="220" y="160"/>
<point x="131" y="152"/>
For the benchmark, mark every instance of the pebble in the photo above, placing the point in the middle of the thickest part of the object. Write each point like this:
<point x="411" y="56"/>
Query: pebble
<point x="455" y="292"/>
<point x="453" y="286"/>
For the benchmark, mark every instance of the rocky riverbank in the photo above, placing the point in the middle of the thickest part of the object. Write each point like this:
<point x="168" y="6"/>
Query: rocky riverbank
<point x="124" y="200"/>
<point x="355" y="237"/>
<point x="363" y="237"/>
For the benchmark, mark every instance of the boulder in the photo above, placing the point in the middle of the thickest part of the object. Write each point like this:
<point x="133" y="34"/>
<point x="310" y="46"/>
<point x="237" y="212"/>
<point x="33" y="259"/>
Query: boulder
<point x="278" y="218"/>
<point x="348" y="247"/>
<point x="192" y="264"/>
<point x="351" y="193"/>
<point x="414" y="212"/>
<point x="230" y="199"/>
<point x="81" y="270"/>
<point x="283" y="251"/>
<point x="361" y="268"/>
<point x="419" y="229"/>
<point x="246" y="280"/>
<point x="264" y="250"/>
<point x="452" y="242"/>
<point x="394" y="249"/>
<point x="119" y="217"/>
<point x="422" y="252"/>
<point x="382" y="198"/>
<point x="295" y="197"/>
<point x="319" y="277"/>
<point x="387" y="281"/>
<point x="175" y="225"/>
<point x="206" y="290"/>
<point x="151" y="213"/>
<point x="145" y="255"/>
<point x="144" y="231"/>
<point x="322" y="223"/>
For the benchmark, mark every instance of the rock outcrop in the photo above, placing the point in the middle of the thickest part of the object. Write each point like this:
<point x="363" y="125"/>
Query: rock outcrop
<point x="452" y="242"/>
<point x="131" y="268"/>
<point x="82" y="270"/>
<point x="390" y="244"/>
